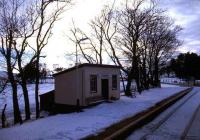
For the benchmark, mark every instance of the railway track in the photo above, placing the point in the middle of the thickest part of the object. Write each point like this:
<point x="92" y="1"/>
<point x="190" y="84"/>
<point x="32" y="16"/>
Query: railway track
<point x="168" y="115"/>
<point x="186" y="135"/>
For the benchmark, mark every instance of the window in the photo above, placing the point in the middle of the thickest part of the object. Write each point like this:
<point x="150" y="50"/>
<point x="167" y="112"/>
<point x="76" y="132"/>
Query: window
<point x="114" y="82"/>
<point x="93" y="83"/>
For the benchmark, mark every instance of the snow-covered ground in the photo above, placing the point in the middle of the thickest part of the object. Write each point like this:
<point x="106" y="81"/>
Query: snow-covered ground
<point x="181" y="82"/>
<point x="169" y="85"/>
<point x="172" y="80"/>
<point x="6" y="96"/>
<point x="90" y="121"/>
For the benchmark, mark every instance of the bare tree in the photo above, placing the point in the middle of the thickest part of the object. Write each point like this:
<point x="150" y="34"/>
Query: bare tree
<point x="162" y="42"/>
<point x="94" y="49"/>
<point x="38" y="24"/>
<point x="3" y="115"/>
<point x="8" y="34"/>
<point x="128" y="33"/>
<point x="121" y="35"/>
<point x="46" y="22"/>
<point x="17" y="27"/>
<point x="78" y="37"/>
<point x="132" y="22"/>
<point x="27" y="27"/>
<point x="138" y="38"/>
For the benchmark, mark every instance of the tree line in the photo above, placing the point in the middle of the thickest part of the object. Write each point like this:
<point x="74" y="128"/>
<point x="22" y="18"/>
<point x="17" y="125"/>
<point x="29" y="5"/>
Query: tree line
<point x="185" y="66"/>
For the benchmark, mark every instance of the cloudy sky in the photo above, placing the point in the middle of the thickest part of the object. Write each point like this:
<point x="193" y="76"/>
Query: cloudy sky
<point x="185" y="13"/>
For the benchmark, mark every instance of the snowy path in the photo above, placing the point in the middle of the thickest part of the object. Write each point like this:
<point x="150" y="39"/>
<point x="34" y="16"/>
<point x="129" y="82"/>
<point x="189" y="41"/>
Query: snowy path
<point x="171" y="124"/>
<point x="91" y="121"/>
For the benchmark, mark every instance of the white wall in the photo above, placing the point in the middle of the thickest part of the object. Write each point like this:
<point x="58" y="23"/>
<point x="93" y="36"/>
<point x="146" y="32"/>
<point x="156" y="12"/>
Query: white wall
<point x="68" y="88"/>
<point x="101" y="73"/>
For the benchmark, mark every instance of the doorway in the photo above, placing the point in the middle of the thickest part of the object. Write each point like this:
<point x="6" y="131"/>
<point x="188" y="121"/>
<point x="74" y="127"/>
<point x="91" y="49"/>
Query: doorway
<point x="104" y="88"/>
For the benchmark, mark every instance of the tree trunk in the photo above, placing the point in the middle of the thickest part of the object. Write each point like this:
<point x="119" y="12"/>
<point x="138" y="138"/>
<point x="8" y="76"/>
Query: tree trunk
<point x="3" y="117"/>
<point x="25" y="91"/>
<point x="37" y="106"/>
<point x="144" y="73"/>
<point x="156" y="74"/>
<point x="129" y="81"/>
<point x="137" y="75"/>
<point x="36" y="99"/>
<point x="137" y="80"/>
<point x="128" y="87"/>
<point x="26" y="99"/>
<point x="17" y="114"/>
<point x="123" y="82"/>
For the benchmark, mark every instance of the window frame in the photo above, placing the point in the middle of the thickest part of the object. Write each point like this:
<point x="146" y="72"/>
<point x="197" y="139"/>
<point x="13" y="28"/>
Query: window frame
<point x="93" y="83"/>
<point x="114" y="82"/>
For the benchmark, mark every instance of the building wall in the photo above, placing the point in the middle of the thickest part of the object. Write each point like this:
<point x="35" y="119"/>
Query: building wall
<point x="102" y="73"/>
<point x="47" y="101"/>
<point x="66" y="91"/>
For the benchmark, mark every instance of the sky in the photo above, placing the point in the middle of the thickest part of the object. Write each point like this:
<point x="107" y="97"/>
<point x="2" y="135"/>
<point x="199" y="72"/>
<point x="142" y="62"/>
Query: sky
<point x="81" y="13"/>
<point x="186" y="13"/>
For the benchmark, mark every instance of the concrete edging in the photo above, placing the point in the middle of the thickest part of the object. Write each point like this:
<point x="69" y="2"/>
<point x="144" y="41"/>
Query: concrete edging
<point x="123" y="128"/>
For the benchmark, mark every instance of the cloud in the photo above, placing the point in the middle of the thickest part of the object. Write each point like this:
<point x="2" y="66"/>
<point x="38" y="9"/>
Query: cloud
<point x="186" y="13"/>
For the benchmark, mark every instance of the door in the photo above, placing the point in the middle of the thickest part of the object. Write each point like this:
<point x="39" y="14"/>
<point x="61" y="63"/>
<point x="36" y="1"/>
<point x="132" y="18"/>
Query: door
<point x="104" y="88"/>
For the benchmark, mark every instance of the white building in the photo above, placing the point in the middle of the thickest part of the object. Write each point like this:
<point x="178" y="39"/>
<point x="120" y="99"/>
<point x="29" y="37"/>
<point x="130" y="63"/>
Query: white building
<point x="86" y="84"/>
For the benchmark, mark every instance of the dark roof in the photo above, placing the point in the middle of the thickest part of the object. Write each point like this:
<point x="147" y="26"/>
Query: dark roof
<point x="86" y="65"/>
